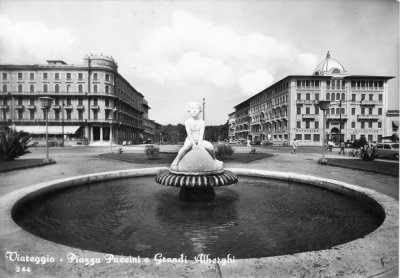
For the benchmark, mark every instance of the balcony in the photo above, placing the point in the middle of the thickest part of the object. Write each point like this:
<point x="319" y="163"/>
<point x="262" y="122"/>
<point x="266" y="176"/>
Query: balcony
<point x="95" y="107"/>
<point x="370" y="102"/>
<point x="309" y="116"/>
<point x="367" y="117"/>
<point x="305" y="101"/>
<point x="108" y="107"/>
<point x="68" y="107"/>
<point x="80" y="107"/>
<point x="31" y="107"/>
<point x="3" y="106"/>
<point x="19" y="106"/>
<point x="336" y="116"/>
<point x="56" y="107"/>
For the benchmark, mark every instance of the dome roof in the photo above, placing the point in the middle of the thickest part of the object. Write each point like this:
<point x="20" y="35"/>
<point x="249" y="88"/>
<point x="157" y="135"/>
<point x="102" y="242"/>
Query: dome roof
<point x="329" y="66"/>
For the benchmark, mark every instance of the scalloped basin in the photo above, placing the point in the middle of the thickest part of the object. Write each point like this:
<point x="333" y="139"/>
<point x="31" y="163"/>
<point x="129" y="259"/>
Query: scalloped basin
<point x="257" y="217"/>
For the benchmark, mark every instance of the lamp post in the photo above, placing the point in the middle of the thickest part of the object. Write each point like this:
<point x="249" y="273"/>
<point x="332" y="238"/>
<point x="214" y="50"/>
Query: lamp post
<point x="111" y="121"/>
<point x="323" y="105"/>
<point x="46" y="104"/>
<point x="204" y="107"/>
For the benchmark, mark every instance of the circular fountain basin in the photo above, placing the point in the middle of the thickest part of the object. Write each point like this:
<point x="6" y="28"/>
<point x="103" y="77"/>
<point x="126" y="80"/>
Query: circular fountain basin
<point x="141" y="210"/>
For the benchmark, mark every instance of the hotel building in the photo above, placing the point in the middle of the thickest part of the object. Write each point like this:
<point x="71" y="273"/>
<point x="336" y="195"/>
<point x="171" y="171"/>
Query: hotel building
<point x="289" y="108"/>
<point x="88" y="100"/>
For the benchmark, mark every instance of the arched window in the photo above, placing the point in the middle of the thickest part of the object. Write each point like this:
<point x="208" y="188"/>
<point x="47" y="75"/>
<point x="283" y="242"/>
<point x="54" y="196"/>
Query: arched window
<point x="80" y="88"/>
<point x="343" y="96"/>
<point x="337" y="111"/>
<point x="45" y="88"/>
<point x="333" y="111"/>
<point x="4" y="88"/>
<point x="95" y="88"/>
<point x="57" y="88"/>
<point x="337" y="96"/>
<point x="328" y="96"/>
<point x="333" y="97"/>
<point x="343" y="111"/>
<point x="32" y="88"/>
<point x="336" y="71"/>
<point x="68" y="88"/>
<point x="19" y="88"/>
<point x="107" y="89"/>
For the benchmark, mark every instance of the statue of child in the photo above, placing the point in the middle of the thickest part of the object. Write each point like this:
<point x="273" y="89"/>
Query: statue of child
<point x="195" y="131"/>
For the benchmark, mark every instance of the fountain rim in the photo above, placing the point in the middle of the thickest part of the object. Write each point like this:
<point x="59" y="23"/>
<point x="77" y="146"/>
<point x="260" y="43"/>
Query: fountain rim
<point x="363" y="255"/>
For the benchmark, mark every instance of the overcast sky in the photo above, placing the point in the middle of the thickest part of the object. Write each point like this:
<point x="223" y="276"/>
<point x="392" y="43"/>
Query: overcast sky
<point x="175" y="52"/>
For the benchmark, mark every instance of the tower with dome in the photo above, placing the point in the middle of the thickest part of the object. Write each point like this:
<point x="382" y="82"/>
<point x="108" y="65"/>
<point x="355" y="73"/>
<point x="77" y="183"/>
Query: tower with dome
<point x="289" y="108"/>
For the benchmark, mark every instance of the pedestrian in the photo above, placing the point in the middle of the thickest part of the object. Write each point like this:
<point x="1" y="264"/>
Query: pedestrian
<point x="248" y="143"/>
<point x="295" y="145"/>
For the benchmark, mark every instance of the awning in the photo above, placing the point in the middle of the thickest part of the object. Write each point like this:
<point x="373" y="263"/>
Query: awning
<point x="395" y="124"/>
<point x="52" y="129"/>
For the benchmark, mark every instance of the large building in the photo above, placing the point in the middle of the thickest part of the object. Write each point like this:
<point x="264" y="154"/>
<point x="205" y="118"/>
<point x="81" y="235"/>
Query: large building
<point x="289" y="108"/>
<point x="88" y="100"/>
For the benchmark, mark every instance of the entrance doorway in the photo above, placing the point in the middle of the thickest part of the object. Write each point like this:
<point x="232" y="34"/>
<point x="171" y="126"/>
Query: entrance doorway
<point x="96" y="133"/>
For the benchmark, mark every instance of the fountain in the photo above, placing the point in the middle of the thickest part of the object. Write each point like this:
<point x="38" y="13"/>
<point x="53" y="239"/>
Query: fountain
<point x="269" y="221"/>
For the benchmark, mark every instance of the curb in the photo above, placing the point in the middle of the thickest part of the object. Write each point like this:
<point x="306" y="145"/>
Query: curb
<point x="28" y="166"/>
<point x="362" y="169"/>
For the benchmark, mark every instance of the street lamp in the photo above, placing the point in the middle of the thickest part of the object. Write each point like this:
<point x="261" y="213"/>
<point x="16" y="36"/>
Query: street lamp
<point x="111" y="121"/>
<point x="323" y="105"/>
<point x="46" y="104"/>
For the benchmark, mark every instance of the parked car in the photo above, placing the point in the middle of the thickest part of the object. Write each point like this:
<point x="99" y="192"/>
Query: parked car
<point x="390" y="150"/>
<point x="233" y="141"/>
<point x="147" y="141"/>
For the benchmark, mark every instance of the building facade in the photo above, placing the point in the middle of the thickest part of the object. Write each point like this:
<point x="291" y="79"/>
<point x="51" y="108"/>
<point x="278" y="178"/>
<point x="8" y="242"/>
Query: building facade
<point x="90" y="100"/>
<point x="289" y="108"/>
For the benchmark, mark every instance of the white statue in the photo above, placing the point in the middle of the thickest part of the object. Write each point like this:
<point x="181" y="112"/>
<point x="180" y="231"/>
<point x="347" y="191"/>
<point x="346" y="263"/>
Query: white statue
<point x="195" y="131"/>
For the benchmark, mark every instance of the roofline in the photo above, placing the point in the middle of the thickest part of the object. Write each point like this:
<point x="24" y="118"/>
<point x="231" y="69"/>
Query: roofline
<point x="367" y="76"/>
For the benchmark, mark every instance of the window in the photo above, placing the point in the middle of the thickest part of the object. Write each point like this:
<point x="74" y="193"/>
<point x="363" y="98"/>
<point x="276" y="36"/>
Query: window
<point x="95" y="76"/>
<point x="20" y="102"/>
<point x="298" y="96"/>
<point x="31" y="76"/>
<point x="343" y="96"/>
<point x="95" y="114"/>
<point x="307" y="110"/>
<point x="45" y="75"/>
<point x="107" y="89"/>
<point x="353" y="124"/>
<point x="57" y="75"/>
<point x="316" y="125"/>
<point x="370" y="111"/>
<point x="80" y="88"/>
<point x="337" y="111"/>
<point x="380" y="97"/>
<point x="379" y="124"/>
<point x="328" y="84"/>
<point x="80" y="115"/>
<point x="80" y="76"/>
<point x="337" y="96"/>
<point x="353" y="97"/>
<point x="316" y="83"/>
<point x="370" y="138"/>
<point x="32" y="114"/>
<point x="57" y="114"/>
<point x="69" y="101"/>
<point x="307" y="124"/>
<point x="107" y="102"/>
<point x="80" y="101"/>
<point x="45" y="88"/>
<point x="20" y="114"/>
<point x="69" y="114"/>
<point x="19" y="88"/>
<point x="371" y="97"/>
<point x="95" y="88"/>
<point x="316" y="96"/>
<point x="362" y="96"/>
<point x="31" y="101"/>
<point x="380" y="84"/>
<point x="307" y="137"/>
<point x="327" y="125"/>
<point x="298" y="110"/>
<point x="20" y="75"/>
<point x="68" y="76"/>
<point x="370" y="124"/>
<point x="4" y="76"/>
<point x="4" y="88"/>
<point x="332" y="111"/>
<point x="4" y="114"/>
<point x="32" y="88"/>
<point x="107" y="77"/>
<point x="107" y="115"/>
<point x="362" y="124"/>
<point x="379" y="111"/>
<point x="299" y="137"/>
<point x="298" y="124"/>
<point x="363" y="111"/>
<point x="332" y="96"/>
<point x="316" y="111"/>
<point x="95" y="102"/>
<point x="317" y="137"/>
<point x="307" y="96"/>
<point x="57" y="88"/>
<point x="328" y="95"/>
<point x="353" y="111"/>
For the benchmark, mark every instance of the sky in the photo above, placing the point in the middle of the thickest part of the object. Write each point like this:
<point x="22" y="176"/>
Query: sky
<point x="176" y="52"/>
